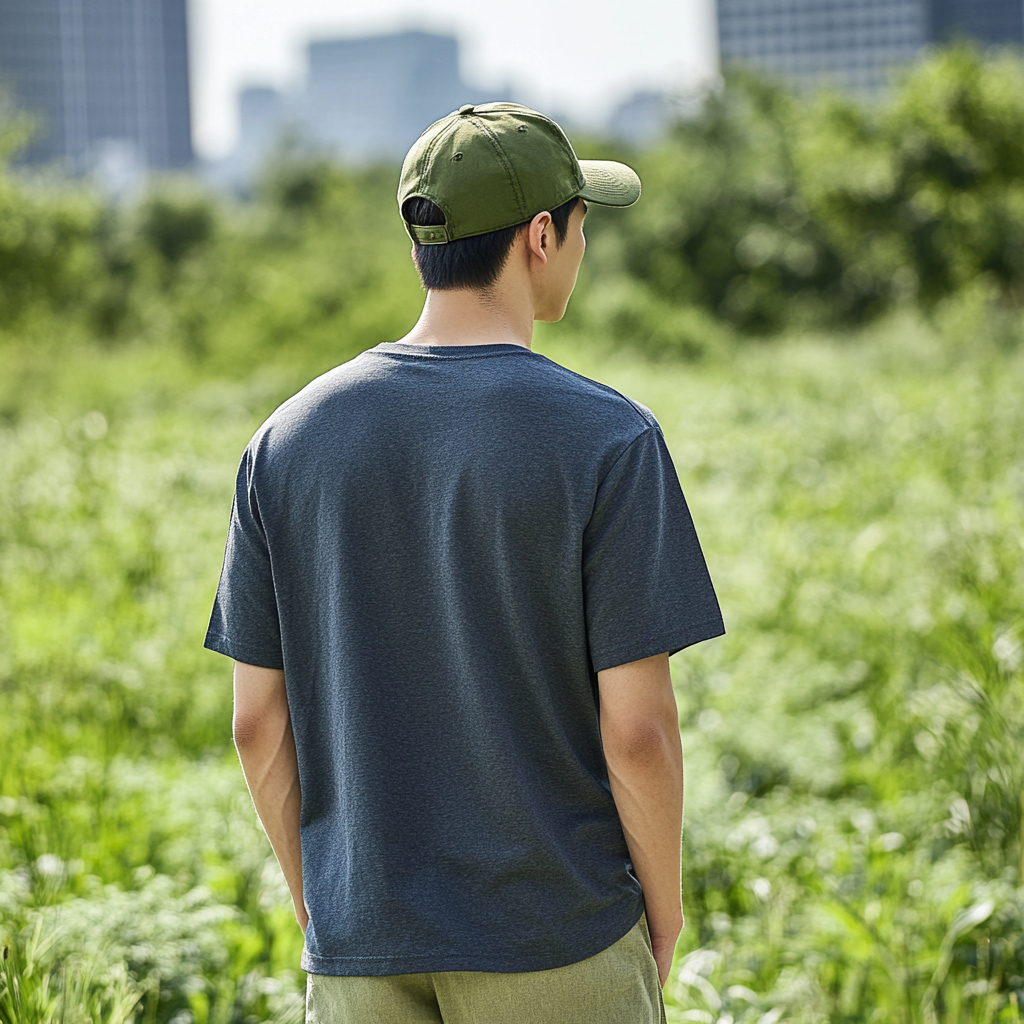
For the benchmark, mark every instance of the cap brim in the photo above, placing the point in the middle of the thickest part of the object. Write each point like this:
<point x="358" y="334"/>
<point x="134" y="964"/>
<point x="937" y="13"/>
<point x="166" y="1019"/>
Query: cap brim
<point x="609" y="183"/>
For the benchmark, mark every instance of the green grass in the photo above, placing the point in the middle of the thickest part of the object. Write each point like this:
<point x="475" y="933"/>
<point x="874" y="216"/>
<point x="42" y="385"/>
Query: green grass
<point x="854" y="778"/>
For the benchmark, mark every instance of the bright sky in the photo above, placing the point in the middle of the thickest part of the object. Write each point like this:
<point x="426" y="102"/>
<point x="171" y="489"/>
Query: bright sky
<point x="561" y="56"/>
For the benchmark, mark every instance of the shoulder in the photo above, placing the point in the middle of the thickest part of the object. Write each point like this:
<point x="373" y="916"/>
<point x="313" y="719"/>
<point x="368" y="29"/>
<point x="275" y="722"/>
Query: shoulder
<point x="297" y="418"/>
<point x="605" y="401"/>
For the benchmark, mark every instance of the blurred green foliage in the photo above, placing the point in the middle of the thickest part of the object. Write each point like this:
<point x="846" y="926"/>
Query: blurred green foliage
<point x="854" y="778"/>
<point x="769" y="210"/>
<point x="231" y="285"/>
<point x="766" y="211"/>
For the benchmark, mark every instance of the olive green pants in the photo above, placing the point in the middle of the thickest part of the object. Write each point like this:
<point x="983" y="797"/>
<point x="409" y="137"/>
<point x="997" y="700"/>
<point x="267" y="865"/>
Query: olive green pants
<point x="617" y="986"/>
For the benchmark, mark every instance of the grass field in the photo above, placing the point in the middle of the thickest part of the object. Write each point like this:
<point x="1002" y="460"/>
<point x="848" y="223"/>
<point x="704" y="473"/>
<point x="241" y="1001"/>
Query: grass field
<point x="854" y="771"/>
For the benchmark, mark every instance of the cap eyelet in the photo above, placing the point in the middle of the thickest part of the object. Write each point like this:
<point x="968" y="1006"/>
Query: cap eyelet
<point x="457" y="157"/>
<point x="522" y="128"/>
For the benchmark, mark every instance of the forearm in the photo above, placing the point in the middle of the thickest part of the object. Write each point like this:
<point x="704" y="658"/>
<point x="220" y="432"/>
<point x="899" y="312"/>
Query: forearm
<point x="266" y="750"/>
<point x="644" y="755"/>
<point x="647" y="786"/>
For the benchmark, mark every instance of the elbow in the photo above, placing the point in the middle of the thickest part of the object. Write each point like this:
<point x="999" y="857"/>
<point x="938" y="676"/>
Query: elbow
<point x="247" y="730"/>
<point x="640" y="742"/>
<point x="261" y="706"/>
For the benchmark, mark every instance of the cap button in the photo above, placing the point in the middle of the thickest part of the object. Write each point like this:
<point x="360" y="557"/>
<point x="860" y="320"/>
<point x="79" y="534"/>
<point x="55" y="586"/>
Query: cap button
<point x="466" y="108"/>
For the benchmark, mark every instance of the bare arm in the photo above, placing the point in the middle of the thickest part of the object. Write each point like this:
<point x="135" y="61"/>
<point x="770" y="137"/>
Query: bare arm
<point x="262" y="728"/>
<point x="640" y="733"/>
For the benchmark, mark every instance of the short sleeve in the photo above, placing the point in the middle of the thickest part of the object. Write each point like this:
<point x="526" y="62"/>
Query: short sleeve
<point x="646" y="585"/>
<point x="245" y="624"/>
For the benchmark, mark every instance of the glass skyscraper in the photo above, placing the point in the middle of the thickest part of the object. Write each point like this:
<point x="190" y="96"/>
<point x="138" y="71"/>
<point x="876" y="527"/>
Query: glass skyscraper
<point x="364" y="98"/>
<point x="853" y="43"/>
<point x="372" y="96"/>
<point x="102" y="77"/>
<point x="989" y="21"/>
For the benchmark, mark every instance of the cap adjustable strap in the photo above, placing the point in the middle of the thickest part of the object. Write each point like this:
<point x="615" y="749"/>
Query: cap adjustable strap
<point x="428" y="234"/>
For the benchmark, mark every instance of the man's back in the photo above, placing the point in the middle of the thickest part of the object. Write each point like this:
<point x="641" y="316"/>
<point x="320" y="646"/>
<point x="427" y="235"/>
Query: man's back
<point x="442" y="547"/>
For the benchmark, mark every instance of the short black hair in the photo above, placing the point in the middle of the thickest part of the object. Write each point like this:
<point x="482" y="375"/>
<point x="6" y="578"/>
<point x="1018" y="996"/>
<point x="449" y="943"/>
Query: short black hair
<point x="472" y="262"/>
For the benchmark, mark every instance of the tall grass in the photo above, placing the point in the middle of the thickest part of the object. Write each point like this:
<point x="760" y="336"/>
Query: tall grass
<point x="854" y="779"/>
<point x="853" y="846"/>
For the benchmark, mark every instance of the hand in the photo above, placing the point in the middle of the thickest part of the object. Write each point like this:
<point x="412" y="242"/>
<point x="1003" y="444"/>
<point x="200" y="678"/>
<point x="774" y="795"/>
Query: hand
<point x="664" y="948"/>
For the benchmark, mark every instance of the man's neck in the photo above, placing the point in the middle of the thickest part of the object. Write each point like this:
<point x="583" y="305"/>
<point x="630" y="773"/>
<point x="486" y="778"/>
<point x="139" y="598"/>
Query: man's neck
<point x="471" y="316"/>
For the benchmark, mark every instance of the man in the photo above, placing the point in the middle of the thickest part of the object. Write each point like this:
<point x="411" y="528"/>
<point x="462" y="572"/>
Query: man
<point x="453" y="577"/>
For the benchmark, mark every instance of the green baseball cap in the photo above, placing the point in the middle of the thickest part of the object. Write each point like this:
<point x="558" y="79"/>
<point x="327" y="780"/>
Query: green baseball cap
<point x="494" y="165"/>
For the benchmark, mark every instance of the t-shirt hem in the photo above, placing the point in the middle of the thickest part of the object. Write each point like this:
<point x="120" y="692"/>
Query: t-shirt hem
<point x="221" y="644"/>
<point x="647" y="647"/>
<point x="435" y="962"/>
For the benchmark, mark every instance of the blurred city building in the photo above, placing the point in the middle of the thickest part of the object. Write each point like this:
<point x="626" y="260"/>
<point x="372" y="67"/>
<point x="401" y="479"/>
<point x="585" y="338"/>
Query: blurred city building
<point x="644" y="117"/>
<point x="993" y="22"/>
<point x="106" y="79"/>
<point x="371" y="97"/>
<point x="855" y="44"/>
<point x="641" y="118"/>
<point x="363" y="99"/>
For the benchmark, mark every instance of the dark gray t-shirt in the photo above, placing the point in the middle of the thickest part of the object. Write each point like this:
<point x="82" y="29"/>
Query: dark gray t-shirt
<point x="442" y="547"/>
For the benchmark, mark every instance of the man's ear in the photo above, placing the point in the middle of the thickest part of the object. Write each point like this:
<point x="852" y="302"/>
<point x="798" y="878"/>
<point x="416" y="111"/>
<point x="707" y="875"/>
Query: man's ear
<point x="539" y="235"/>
